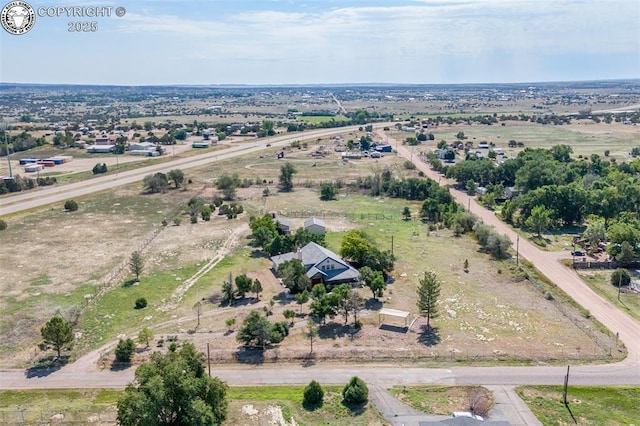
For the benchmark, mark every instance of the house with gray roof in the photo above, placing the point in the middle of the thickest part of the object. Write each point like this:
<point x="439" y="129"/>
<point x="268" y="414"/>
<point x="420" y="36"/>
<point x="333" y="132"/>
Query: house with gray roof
<point x="323" y="266"/>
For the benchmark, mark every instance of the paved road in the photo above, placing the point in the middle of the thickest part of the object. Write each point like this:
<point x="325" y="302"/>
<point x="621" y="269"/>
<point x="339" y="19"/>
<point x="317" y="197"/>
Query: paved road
<point x="41" y="197"/>
<point x="382" y="376"/>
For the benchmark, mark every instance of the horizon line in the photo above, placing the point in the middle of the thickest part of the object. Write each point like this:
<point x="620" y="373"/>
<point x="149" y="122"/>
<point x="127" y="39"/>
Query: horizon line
<point x="320" y="84"/>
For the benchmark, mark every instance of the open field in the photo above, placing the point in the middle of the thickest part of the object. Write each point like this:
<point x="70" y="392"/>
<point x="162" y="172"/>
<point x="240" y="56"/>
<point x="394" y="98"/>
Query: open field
<point x="486" y="314"/>
<point x="586" y="405"/>
<point x="442" y="400"/>
<point x="584" y="136"/>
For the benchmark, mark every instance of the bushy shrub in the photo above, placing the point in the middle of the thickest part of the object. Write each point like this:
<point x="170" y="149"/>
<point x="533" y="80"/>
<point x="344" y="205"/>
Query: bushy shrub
<point x="71" y="205"/>
<point x="278" y="331"/>
<point x="356" y="391"/>
<point x="3" y="225"/>
<point x="141" y="303"/>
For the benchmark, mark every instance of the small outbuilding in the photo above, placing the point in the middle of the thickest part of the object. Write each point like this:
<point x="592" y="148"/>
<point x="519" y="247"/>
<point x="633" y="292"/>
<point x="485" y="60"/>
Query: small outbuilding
<point x="283" y="225"/>
<point x="315" y="226"/>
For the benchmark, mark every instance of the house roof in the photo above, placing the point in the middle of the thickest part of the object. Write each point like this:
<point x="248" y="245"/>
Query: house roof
<point x="283" y="221"/>
<point x="311" y="255"/>
<point x="314" y="221"/>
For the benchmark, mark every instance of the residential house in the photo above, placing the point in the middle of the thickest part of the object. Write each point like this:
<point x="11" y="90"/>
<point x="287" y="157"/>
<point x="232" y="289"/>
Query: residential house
<point x="322" y="265"/>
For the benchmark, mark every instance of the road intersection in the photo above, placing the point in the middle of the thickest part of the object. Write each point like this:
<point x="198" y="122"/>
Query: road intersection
<point x="502" y="378"/>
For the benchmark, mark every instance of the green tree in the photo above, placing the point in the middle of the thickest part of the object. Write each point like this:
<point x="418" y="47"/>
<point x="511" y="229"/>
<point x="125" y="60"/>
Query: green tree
<point x="313" y="394"/>
<point x="136" y="264"/>
<point x="228" y="294"/>
<point x="228" y="184"/>
<point x="125" y="350"/>
<point x="257" y="288"/>
<point x="406" y="213"/>
<point x="620" y="277"/>
<point x="244" y="285"/>
<point x="595" y="232"/>
<point x="268" y="127"/>
<point x="57" y="334"/>
<point x="173" y="389"/>
<point x="263" y="229"/>
<point x="626" y="255"/>
<point x="538" y="221"/>
<point x="289" y="314"/>
<point x="155" y="183"/>
<point x="328" y="191"/>
<point x="373" y="280"/>
<point x="355" y="392"/>
<point x="145" y="336"/>
<point x="3" y="225"/>
<point x="428" y="293"/>
<point x="177" y="176"/>
<point x="286" y="177"/>
<point x="311" y="332"/>
<point x="294" y="276"/>
<point x="254" y="331"/>
<point x="302" y="298"/>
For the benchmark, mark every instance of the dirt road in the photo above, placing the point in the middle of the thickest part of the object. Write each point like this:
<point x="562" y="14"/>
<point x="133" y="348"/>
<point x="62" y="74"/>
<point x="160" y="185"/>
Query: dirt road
<point x="566" y="279"/>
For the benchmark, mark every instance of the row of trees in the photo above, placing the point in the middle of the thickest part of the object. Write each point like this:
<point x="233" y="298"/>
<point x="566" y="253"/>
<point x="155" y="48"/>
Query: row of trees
<point x="20" y="183"/>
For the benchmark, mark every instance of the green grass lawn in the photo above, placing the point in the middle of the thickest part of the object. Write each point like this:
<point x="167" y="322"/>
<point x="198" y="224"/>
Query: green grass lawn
<point x="289" y="399"/>
<point x="590" y="405"/>
<point x="35" y="405"/>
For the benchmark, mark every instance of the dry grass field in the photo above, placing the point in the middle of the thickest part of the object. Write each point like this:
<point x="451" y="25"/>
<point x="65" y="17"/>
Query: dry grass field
<point x="59" y="261"/>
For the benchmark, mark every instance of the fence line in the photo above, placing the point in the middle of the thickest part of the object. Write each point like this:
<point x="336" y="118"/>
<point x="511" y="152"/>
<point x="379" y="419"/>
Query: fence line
<point x="48" y="417"/>
<point x="352" y="216"/>
<point x="117" y="271"/>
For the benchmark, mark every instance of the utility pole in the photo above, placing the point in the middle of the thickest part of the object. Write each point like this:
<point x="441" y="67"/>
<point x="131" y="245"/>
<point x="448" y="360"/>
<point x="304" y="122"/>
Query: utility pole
<point x="5" y="129"/>
<point x="208" y="360"/>
<point x="518" y="249"/>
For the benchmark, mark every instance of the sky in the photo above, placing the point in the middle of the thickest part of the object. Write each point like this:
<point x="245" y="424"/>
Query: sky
<point x="279" y="42"/>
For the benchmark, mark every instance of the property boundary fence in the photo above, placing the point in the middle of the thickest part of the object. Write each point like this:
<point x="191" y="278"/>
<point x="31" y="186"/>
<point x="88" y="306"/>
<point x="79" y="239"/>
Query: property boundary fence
<point x="351" y="216"/>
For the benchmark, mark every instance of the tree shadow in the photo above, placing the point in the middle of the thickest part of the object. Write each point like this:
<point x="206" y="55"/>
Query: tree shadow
<point x="334" y="330"/>
<point x="248" y="355"/>
<point x="429" y="336"/>
<point x="129" y="283"/>
<point x="308" y="360"/>
<point x="355" y="409"/>
<point x="284" y="298"/>
<point x="373" y="304"/>
<point x="119" y="366"/>
<point x="45" y="366"/>
<point x="312" y="407"/>
<point x="257" y="253"/>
